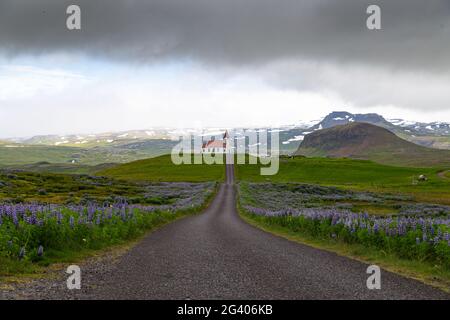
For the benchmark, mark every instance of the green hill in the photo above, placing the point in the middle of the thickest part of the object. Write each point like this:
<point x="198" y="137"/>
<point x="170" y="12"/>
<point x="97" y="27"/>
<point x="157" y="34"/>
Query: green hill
<point x="366" y="141"/>
<point x="162" y="169"/>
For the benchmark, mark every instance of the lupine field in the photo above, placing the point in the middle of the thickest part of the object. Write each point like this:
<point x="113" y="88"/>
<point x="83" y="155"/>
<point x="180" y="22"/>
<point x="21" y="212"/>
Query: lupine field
<point x="38" y="230"/>
<point x="414" y="231"/>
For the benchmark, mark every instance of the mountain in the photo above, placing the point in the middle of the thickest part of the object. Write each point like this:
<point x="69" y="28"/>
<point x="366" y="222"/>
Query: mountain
<point x="337" y="118"/>
<point x="291" y="139"/>
<point x="367" y="141"/>
<point x="433" y="134"/>
<point x="423" y="128"/>
<point x="92" y="140"/>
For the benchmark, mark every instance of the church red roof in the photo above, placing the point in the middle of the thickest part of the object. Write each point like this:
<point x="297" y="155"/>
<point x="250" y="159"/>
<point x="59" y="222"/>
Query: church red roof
<point x="214" y="144"/>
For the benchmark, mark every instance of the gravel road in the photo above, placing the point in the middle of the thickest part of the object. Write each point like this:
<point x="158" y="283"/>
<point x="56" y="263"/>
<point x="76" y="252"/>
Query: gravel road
<point x="216" y="255"/>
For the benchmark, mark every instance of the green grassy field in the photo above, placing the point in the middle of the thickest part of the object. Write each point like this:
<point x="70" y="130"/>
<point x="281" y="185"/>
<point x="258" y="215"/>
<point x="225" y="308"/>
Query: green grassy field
<point x="356" y="175"/>
<point x="20" y="154"/>
<point x="162" y="169"/>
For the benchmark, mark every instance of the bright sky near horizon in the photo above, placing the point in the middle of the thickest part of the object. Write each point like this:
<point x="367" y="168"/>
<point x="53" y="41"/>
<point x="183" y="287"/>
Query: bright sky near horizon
<point x="156" y="64"/>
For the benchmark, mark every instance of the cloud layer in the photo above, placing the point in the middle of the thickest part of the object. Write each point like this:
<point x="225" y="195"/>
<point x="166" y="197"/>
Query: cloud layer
<point x="415" y="33"/>
<point x="316" y="46"/>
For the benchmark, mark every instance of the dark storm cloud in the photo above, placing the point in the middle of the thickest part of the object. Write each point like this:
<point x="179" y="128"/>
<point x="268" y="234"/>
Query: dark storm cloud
<point x="415" y="35"/>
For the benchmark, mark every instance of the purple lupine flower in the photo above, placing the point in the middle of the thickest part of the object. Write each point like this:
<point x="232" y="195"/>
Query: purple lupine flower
<point x="14" y="217"/>
<point x="375" y="227"/>
<point x="59" y="217"/>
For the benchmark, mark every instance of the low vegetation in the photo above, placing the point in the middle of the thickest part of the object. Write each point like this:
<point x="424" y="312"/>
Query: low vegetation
<point x="44" y="188"/>
<point x="296" y="196"/>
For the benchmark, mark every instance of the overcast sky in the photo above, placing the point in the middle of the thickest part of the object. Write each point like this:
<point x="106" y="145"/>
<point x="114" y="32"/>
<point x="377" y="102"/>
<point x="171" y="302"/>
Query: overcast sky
<point x="137" y="64"/>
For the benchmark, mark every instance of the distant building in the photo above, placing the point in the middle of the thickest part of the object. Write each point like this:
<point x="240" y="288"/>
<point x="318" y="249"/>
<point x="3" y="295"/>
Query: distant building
<point x="217" y="146"/>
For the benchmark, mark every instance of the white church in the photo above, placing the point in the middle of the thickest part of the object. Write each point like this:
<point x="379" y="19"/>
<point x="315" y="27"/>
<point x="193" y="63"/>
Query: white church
<point x="217" y="146"/>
